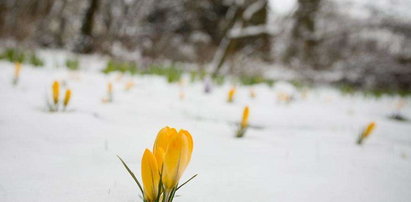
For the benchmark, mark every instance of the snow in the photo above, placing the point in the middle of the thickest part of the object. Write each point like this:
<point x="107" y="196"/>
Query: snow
<point x="301" y="151"/>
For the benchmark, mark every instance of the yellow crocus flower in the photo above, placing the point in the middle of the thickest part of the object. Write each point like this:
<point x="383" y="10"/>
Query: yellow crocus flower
<point x="17" y="69"/>
<point x="161" y="143"/>
<point x="129" y="85"/>
<point x="244" y="120"/>
<point x="110" y="88"/>
<point x="150" y="175"/>
<point x="252" y="93"/>
<point x="231" y="95"/>
<point x="67" y="97"/>
<point x="177" y="157"/>
<point x="56" y="91"/>
<point x="369" y="129"/>
<point x="173" y="153"/>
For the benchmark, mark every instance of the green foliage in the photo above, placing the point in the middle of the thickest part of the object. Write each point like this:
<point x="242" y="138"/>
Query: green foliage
<point x="347" y="89"/>
<point x="218" y="79"/>
<point x="114" y="65"/>
<point x="197" y="75"/>
<point x="172" y="73"/>
<point x="297" y="84"/>
<point x="72" y="64"/>
<point x="35" y="61"/>
<point x="253" y="80"/>
<point x="15" y="55"/>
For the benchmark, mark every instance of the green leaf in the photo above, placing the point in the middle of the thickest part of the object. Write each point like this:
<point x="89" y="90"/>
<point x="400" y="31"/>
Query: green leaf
<point x="186" y="182"/>
<point x="132" y="175"/>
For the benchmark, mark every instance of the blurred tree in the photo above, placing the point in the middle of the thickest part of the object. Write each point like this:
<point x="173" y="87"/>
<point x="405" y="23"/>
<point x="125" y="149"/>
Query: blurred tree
<point x="303" y="41"/>
<point x="86" y="41"/>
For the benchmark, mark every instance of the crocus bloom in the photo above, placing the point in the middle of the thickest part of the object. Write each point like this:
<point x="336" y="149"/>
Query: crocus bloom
<point x="151" y="176"/>
<point x="17" y="70"/>
<point x="67" y="97"/>
<point x="231" y="95"/>
<point x="110" y="88"/>
<point x="56" y="91"/>
<point x="244" y="120"/>
<point x="173" y="151"/>
<point x="368" y="130"/>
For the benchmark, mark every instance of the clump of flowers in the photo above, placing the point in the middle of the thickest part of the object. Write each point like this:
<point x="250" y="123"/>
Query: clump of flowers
<point x="366" y="132"/>
<point x="54" y="106"/>
<point x="231" y="94"/>
<point x="162" y="168"/>
<point x="17" y="70"/>
<point x="244" y="122"/>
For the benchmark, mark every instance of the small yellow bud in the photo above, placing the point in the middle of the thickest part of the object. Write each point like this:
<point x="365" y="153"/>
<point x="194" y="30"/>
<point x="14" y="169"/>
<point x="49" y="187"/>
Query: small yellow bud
<point x="231" y="95"/>
<point x="17" y="70"/>
<point x="252" y="93"/>
<point x="367" y="131"/>
<point x="244" y="120"/>
<point x="110" y="88"/>
<point x="56" y="91"/>
<point x="67" y="97"/>
<point x="129" y="85"/>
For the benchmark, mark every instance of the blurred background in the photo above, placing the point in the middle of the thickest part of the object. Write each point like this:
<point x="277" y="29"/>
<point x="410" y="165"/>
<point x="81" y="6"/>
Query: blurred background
<point x="362" y="44"/>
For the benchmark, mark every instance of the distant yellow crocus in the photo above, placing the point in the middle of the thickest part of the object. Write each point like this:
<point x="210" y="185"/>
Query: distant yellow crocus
<point x="252" y="93"/>
<point x="182" y="95"/>
<point x="67" y="98"/>
<point x="17" y="70"/>
<point x="129" y="85"/>
<point x="56" y="92"/>
<point x="110" y="87"/>
<point x="150" y="175"/>
<point x="231" y="94"/>
<point x="173" y="151"/>
<point x="367" y="131"/>
<point x="244" y="120"/>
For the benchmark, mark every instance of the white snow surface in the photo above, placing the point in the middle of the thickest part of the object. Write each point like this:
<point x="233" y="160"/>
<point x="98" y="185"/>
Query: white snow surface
<point x="301" y="151"/>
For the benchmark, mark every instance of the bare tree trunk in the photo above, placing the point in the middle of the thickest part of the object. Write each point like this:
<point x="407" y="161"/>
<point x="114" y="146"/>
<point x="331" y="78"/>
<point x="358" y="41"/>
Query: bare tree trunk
<point x="85" y="44"/>
<point x="241" y="18"/>
<point x="302" y="41"/>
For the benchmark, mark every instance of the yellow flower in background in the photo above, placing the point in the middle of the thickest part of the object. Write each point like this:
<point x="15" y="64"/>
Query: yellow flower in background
<point x="129" y="85"/>
<point x="244" y="120"/>
<point x="173" y="151"/>
<point x="56" y="92"/>
<point x="110" y="87"/>
<point x="252" y="93"/>
<point x="17" y="69"/>
<point x="150" y="175"/>
<point x="367" y="131"/>
<point x="231" y="95"/>
<point x="67" y="97"/>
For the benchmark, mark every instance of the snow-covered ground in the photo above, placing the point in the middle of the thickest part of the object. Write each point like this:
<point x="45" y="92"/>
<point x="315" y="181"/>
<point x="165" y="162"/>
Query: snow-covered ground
<point x="302" y="151"/>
